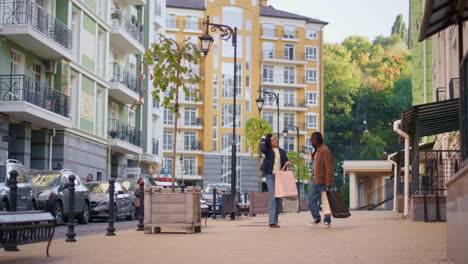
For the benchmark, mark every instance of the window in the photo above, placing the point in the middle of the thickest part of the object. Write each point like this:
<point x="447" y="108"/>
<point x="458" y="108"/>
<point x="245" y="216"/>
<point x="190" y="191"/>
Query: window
<point x="270" y="100"/>
<point x="233" y="16"/>
<point x="288" y="143"/>
<point x="269" y="30"/>
<point x="311" y="34"/>
<point x="190" y="165"/>
<point x="75" y="33"/>
<point x="115" y="111"/>
<point x="247" y="93"/>
<point x="309" y="165"/>
<point x="131" y="118"/>
<point x="227" y="115"/>
<point x="289" y="97"/>
<point x="311" y="75"/>
<point x="289" y="32"/>
<point x="288" y="119"/>
<point x="215" y="133"/>
<point x="190" y="141"/>
<point x="17" y="63"/>
<point x="268" y="73"/>
<point x="191" y="22"/>
<point x="37" y="71"/>
<point x="190" y="116"/>
<point x="226" y="143"/>
<point x="309" y="147"/>
<point x="311" y="121"/>
<point x="289" y="52"/>
<point x="226" y="171"/>
<point x="215" y="91"/>
<point x="228" y="82"/>
<point x="168" y="139"/>
<point x="171" y="21"/>
<point x="168" y="164"/>
<point x="268" y="50"/>
<point x="193" y="92"/>
<point x="249" y="24"/>
<point x="289" y="74"/>
<point x="268" y="116"/>
<point x="311" y="53"/>
<point x="168" y="116"/>
<point x="311" y="98"/>
<point x="101" y="53"/>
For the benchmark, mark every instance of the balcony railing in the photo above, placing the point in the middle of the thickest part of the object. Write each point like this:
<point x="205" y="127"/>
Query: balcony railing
<point x="283" y="78"/>
<point x="25" y="12"/>
<point x="122" y="19"/>
<point x="197" y="122"/>
<point x="117" y="129"/>
<point x="283" y="55"/>
<point x="185" y="145"/>
<point x="23" y="88"/>
<point x="119" y="74"/>
<point x="155" y="146"/>
<point x="192" y="171"/>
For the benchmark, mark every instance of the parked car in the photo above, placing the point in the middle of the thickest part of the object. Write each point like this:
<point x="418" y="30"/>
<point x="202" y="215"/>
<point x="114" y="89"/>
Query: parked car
<point x="26" y="193"/>
<point x="53" y="194"/>
<point x="130" y="184"/>
<point x="124" y="201"/>
<point x="221" y="189"/>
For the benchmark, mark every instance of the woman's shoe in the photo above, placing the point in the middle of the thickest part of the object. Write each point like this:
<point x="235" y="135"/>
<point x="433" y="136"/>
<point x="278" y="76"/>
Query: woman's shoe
<point x="274" y="226"/>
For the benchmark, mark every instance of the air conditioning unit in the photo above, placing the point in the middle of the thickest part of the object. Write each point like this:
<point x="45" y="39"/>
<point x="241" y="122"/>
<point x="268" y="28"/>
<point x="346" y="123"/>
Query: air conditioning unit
<point x="51" y="66"/>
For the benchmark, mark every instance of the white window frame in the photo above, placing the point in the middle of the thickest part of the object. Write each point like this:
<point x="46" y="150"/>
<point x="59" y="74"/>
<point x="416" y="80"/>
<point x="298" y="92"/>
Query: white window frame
<point x="311" y="33"/>
<point x="310" y="100"/>
<point x="190" y="116"/>
<point x="190" y="165"/>
<point x="227" y="115"/>
<point x="268" y="30"/>
<point x="168" y="140"/>
<point x="190" y="140"/>
<point x="289" y="143"/>
<point x="171" y="21"/>
<point x="191" y="22"/>
<point x="289" y="74"/>
<point x="289" y="32"/>
<point x="268" y="73"/>
<point x="309" y="124"/>
<point x="269" y="116"/>
<point x="289" y="96"/>
<point x="168" y="116"/>
<point x="310" y="78"/>
<point x="310" y="55"/>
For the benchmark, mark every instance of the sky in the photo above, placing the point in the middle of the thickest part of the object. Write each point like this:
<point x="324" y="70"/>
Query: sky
<point x="368" y="18"/>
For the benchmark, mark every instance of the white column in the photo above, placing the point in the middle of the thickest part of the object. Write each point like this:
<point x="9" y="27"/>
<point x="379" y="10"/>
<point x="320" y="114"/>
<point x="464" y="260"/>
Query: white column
<point x="353" y="190"/>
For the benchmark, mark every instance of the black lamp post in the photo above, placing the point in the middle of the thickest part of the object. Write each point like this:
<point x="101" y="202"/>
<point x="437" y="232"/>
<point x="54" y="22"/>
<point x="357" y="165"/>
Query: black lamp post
<point x="287" y="127"/>
<point x="206" y="41"/>
<point x="271" y="97"/>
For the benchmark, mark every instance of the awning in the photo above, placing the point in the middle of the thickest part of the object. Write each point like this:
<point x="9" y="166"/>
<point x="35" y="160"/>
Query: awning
<point x="440" y="14"/>
<point x="432" y="119"/>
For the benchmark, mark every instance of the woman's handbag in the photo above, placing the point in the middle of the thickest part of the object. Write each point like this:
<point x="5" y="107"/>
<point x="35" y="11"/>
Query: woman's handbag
<point x="285" y="184"/>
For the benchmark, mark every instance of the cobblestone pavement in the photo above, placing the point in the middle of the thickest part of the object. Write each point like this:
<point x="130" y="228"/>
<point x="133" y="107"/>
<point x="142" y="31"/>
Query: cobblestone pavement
<point x="365" y="237"/>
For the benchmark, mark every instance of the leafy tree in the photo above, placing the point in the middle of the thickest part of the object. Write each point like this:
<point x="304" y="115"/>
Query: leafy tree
<point x="301" y="171"/>
<point x="399" y="28"/>
<point x="344" y="190"/>
<point x="255" y="128"/>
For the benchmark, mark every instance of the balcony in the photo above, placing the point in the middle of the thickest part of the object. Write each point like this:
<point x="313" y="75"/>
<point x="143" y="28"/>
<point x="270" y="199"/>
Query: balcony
<point x="125" y="35"/>
<point x="30" y="26"/>
<point x="284" y="56"/>
<point x="29" y="100"/>
<point x="123" y="138"/>
<point x="196" y="124"/>
<point x="282" y="125"/>
<point x="155" y="146"/>
<point x="131" y="2"/>
<point x="124" y="85"/>
<point x="287" y="105"/>
<point x="185" y="147"/>
<point x="283" y="80"/>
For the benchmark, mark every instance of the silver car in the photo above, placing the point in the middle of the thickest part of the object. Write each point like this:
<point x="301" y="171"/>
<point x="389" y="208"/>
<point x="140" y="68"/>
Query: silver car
<point x="53" y="194"/>
<point x="26" y="193"/>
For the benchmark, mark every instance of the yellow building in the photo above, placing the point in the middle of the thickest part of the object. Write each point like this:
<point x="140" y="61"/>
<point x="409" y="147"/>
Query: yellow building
<point x="277" y="51"/>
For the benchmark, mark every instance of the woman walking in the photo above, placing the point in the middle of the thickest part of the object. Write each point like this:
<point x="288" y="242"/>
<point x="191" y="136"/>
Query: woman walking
<point x="275" y="160"/>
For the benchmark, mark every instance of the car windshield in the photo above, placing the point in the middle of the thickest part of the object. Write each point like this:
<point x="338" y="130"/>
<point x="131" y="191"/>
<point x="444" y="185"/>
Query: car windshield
<point x="129" y="185"/>
<point x="2" y="173"/>
<point x="46" y="179"/>
<point x="98" y="187"/>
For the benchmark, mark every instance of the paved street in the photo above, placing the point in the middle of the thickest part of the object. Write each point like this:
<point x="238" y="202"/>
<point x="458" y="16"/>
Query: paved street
<point x="94" y="228"/>
<point x="366" y="237"/>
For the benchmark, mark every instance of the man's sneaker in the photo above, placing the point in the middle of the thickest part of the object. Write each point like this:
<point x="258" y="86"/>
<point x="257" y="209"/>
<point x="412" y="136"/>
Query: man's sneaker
<point x="326" y="225"/>
<point x="315" y="222"/>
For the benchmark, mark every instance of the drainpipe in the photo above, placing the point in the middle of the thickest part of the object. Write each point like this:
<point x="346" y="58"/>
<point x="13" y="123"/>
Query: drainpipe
<point x="395" y="182"/>
<point x="400" y="132"/>
<point x="50" y="149"/>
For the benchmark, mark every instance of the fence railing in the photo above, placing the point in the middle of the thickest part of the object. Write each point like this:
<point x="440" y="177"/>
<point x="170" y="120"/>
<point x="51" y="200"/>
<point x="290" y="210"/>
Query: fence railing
<point x="155" y="146"/>
<point x="438" y="166"/>
<point x="283" y="78"/>
<point x="117" y="129"/>
<point x="119" y="74"/>
<point x="23" y="88"/>
<point x="182" y="122"/>
<point x="121" y="19"/>
<point x="185" y="145"/>
<point x="20" y="12"/>
<point x="283" y="55"/>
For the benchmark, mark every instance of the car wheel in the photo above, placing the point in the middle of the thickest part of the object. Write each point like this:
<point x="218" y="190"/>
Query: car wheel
<point x="131" y="213"/>
<point x="4" y="206"/>
<point x="57" y="211"/>
<point x="83" y="218"/>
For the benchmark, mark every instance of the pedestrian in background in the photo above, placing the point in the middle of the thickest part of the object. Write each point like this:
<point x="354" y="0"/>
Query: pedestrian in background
<point x="138" y="193"/>
<point x="322" y="176"/>
<point x="89" y="178"/>
<point x="275" y="160"/>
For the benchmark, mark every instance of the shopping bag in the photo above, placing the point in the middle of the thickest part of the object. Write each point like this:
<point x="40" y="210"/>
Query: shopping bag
<point x="337" y="205"/>
<point x="326" y="210"/>
<point x="285" y="184"/>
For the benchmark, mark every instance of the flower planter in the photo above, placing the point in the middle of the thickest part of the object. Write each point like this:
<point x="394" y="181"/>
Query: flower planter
<point x="165" y="209"/>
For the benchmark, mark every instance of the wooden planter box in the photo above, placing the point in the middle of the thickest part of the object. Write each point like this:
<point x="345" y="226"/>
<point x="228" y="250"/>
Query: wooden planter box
<point x="258" y="203"/>
<point x="172" y="210"/>
<point x="290" y="206"/>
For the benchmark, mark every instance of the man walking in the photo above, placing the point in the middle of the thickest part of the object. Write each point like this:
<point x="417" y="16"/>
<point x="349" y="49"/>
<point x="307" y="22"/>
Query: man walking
<point x="322" y="177"/>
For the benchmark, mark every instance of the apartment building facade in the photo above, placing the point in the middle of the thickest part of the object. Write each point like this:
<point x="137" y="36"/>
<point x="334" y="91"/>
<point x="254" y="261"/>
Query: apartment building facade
<point x="278" y="52"/>
<point x="69" y="89"/>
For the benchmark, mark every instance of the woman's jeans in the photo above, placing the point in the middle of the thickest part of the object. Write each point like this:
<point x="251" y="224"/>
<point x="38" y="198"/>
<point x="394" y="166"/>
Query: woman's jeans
<point x="315" y="200"/>
<point x="275" y="203"/>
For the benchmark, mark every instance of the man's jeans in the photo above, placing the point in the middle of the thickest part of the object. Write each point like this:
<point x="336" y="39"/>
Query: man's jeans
<point x="315" y="198"/>
<point x="275" y="203"/>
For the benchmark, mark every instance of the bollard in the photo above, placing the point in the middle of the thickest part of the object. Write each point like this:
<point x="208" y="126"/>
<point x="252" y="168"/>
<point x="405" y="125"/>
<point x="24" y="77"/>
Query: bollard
<point x="111" y="220"/>
<point x="141" y="210"/>
<point x="13" y="185"/>
<point x="71" y="205"/>
<point x="182" y="187"/>
<point x="213" y="208"/>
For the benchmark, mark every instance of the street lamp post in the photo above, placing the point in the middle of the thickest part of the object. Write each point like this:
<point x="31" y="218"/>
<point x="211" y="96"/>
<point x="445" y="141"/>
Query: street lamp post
<point x="272" y="97"/>
<point x="206" y="41"/>
<point x="287" y="127"/>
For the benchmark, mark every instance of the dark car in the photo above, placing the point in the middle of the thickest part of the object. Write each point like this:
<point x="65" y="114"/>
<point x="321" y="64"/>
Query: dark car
<point x="124" y="201"/>
<point x="53" y="194"/>
<point x="26" y="199"/>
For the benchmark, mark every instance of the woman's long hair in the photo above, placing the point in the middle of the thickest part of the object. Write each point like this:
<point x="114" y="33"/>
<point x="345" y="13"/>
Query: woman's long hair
<point x="268" y="140"/>
<point x="319" y="139"/>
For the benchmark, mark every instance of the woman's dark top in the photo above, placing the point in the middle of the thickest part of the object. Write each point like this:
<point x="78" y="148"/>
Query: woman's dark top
<point x="269" y="161"/>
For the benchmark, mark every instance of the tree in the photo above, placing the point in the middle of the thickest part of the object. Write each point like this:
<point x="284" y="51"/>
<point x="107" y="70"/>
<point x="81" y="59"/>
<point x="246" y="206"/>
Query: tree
<point x="399" y="28"/>
<point x="172" y="68"/>
<point x="301" y="171"/>
<point x="255" y="128"/>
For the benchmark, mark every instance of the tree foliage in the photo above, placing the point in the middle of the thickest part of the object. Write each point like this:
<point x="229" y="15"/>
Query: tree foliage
<point x="301" y="171"/>
<point x="255" y="128"/>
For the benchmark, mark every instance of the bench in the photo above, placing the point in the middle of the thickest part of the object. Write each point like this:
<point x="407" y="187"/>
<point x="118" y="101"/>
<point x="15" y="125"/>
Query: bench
<point x="21" y="228"/>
